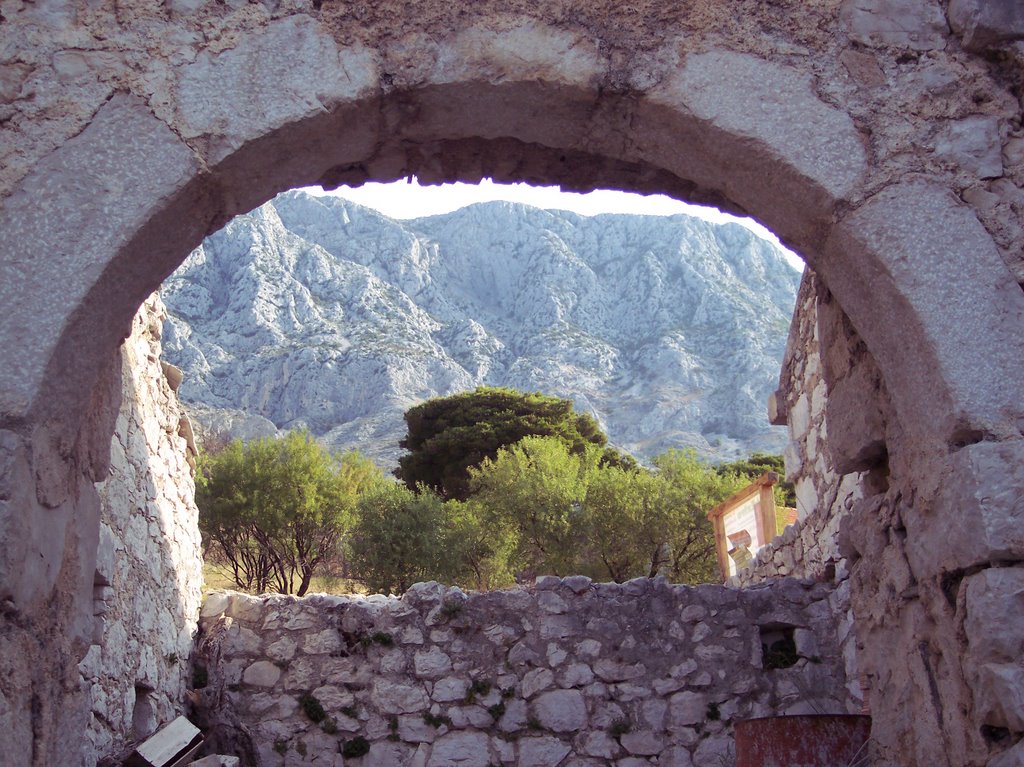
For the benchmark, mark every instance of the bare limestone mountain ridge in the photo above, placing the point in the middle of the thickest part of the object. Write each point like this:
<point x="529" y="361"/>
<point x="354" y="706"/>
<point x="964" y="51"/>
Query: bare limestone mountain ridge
<point x="316" y="311"/>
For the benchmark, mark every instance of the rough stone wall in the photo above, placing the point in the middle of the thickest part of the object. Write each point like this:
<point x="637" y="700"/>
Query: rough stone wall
<point x="811" y="547"/>
<point x="566" y="673"/>
<point x="148" y="566"/>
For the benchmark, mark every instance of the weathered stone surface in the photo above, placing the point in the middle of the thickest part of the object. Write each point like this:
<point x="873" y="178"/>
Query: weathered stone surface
<point x="431" y="664"/>
<point x="287" y="63"/>
<point x="687" y="708"/>
<point x="561" y="710"/>
<point x="967" y="335"/>
<point x="984" y="24"/>
<point x="465" y="749"/>
<point x="973" y="143"/>
<point x="262" y="673"/>
<point x="397" y="698"/>
<point x="978" y="516"/>
<point x="729" y="90"/>
<point x="541" y="752"/>
<point x="915" y="24"/>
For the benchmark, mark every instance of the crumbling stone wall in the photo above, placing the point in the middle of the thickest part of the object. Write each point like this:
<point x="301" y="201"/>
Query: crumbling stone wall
<point x="567" y="672"/>
<point x="146" y="591"/>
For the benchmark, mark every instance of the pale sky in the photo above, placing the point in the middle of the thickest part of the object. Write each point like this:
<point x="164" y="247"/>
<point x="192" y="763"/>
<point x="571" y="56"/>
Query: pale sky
<point x="403" y="199"/>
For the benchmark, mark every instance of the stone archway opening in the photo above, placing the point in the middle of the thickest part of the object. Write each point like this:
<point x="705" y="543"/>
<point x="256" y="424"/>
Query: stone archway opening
<point x="163" y="159"/>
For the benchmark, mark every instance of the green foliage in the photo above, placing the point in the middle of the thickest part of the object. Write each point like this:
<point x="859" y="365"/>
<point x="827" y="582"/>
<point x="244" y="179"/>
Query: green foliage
<point x="312" y="708"/>
<point x="690" y="489"/>
<point x="356" y="747"/>
<point x="275" y="509"/>
<point x="436" y="721"/>
<point x="532" y="496"/>
<point x="619" y="728"/>
<point x="447" y="436"/>
<point x="399" y="538"/>
<point x="756" y="465"/>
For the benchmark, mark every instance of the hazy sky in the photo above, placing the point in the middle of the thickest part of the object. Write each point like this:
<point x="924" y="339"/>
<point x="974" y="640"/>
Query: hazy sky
<point x="410" y="200"/>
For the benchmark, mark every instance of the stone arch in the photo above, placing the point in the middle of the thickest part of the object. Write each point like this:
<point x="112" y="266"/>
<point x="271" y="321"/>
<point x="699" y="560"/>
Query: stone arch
<point x="168" y="155"/>
<point x="288" y="106"/>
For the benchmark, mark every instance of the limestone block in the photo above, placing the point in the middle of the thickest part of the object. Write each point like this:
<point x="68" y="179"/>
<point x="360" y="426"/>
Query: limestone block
<point x="686" y="708"/>
<point x="973" y="143"/>
<point x="576" y="675"/>
<point x="262" y="673"/>
<point x="541" y="752"/>
<point x="978" y="514"/>
<point x="561" y="710"/>
<point x="999" y="695"/>
<point x="431" y="664"/>
<point x="915" y="24"/>
<point x="551" y="602"/>
<point x="385" y="753"/>
<point x="556" y="655"/>
<point x="515" y="717"/>
<point x="466" y="749"/>
<point x="954" y="366"/>
<point x="984" y="24"/>
<point x="413" y="729"/>
<point x="449" y="689"/>
<point x="855" y="423"/>
<point x="1012" y="757"/>
<point x="216" y="603"/>
<point x="749" y="96"/>
<point x="282" y="649"/>
<point x="597" y="743"/>
<point x="677" y="756"/>
<point x="333" y="698"/>
<point x="994" y="624"/>
<point x="609" y="670"/>
<point x="470" y="717"/>
<point x="577" y="583"/>
<point x="393" y="697"/>
<point x="292" y="69"/>
<point x="643" y="743"/>
<point x="536" y="680"/>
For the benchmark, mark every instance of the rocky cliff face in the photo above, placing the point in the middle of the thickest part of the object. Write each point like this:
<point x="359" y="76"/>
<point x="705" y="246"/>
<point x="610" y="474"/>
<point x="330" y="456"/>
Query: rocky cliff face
<point x="319" y="312"/>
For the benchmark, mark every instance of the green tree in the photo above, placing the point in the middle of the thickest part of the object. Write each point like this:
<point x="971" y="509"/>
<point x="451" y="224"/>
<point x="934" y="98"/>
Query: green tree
<point x="756" y="465"/>
<point x="449" y="435"/>
<point x="399" y="539"/>
<point x="625" y="533"/>
<point x="275" y="509"/>
<point x="481" y="552"/>
<point x="532" y="493"/>
<point x="689" y="490"/>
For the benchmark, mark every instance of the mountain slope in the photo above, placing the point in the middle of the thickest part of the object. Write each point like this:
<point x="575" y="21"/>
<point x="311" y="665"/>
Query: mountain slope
<point x="316" y="311"/>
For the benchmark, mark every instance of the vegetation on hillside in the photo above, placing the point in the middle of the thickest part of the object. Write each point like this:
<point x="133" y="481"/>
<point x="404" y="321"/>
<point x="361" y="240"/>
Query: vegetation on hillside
<point x="499" y="485"/>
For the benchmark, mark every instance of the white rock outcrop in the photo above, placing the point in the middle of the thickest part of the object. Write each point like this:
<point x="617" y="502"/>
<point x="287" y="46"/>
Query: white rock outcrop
<point x="317" y="311"/>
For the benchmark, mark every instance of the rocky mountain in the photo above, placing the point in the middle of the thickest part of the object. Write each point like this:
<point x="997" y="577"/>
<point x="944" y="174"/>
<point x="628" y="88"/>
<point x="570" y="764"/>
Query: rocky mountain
<point x="316" y="311"/>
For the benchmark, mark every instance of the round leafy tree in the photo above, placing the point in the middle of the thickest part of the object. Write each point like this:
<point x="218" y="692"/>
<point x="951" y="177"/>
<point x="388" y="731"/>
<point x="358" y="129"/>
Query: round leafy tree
<point x="449" y="434"/>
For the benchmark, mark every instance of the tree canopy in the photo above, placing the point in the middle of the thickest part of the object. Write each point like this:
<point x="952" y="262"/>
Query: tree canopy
<point x="448" y="435"/>
<point x="275" y="509"/>
<point x="756" y="465"/>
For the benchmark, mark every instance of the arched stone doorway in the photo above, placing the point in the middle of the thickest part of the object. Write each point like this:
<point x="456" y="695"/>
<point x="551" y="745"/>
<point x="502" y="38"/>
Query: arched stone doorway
<point x="242" y="104"/>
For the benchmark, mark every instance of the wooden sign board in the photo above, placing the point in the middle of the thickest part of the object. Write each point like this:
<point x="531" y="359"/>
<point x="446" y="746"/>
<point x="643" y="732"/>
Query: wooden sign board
<point x="743" y="523"/>
<point x="172" y="746"/>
